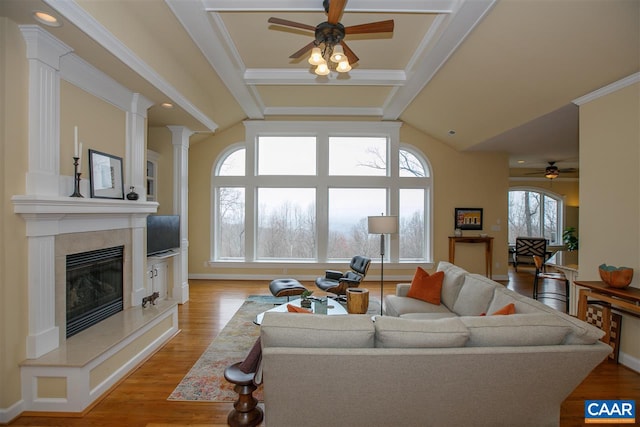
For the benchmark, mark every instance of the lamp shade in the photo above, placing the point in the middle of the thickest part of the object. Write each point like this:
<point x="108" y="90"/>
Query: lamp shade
<point x="383" y="224"/>
<point x="338" y="54"/>
<point x="316" y="56"/>
<point x="322" y="69"/>
<point x="343" y="67"/>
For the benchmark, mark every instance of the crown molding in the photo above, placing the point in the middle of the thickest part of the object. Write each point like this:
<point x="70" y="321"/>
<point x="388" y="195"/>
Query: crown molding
<point x="96" y="31"/>
<point x="402" y="6"/>
<point x="323" y="111"/>
<point x="277" y="76"/>
<point x="613" y="87"/>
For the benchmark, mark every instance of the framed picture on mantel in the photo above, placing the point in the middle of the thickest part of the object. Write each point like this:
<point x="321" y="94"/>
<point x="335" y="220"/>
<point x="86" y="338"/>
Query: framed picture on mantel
<point x="105" y="175"/>
<point x="468" y="218"/>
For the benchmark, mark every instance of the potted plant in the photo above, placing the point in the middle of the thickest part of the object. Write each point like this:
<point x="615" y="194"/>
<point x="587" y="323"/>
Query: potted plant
<point x="569" y="238"/>
<point x="306" y="302"/>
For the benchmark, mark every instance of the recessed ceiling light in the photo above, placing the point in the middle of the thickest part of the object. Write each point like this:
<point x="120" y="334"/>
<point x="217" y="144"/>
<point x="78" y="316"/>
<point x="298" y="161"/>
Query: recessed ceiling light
<point x="166" y="105"/>
<point x="46" y="19"/>
<point x="520" y="162"/>
<point x="451" y="132"/>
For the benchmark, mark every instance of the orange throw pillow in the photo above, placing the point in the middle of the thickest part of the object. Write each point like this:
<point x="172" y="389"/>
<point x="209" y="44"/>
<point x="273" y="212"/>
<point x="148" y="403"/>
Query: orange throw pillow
<point x="294" y="309"/>
<point x="507" y="309"/>
<point x="426" y="287"/>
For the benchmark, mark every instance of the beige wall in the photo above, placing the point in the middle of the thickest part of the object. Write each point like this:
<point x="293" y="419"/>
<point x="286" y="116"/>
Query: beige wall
<point x="13" y="251"/>
<point x="460" y="180"/>
<point x="101" y="127"/>
<point x="610" y="202"/>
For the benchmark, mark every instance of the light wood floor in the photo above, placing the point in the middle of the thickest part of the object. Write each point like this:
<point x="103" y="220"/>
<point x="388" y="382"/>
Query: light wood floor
<point x="140" y="400"/>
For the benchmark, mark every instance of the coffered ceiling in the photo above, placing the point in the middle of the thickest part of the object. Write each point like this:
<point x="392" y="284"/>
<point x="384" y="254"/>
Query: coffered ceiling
<point x="476" y="74"/>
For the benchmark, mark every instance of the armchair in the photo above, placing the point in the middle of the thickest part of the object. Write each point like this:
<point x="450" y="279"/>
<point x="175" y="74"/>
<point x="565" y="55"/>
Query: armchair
<point x="336" y="282"/>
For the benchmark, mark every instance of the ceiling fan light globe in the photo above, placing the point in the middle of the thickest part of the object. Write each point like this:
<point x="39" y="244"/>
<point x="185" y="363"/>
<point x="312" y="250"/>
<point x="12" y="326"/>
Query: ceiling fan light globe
<point x="551" y="175"/>
<point x="338" y="54"/>
<point x="316" y="56"/>
<point x="343" y="67"/>
<point x="322" y="69"/>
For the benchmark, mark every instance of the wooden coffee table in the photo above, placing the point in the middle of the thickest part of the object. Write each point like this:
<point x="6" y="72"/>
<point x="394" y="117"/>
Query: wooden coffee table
<point x="334" y="308"/>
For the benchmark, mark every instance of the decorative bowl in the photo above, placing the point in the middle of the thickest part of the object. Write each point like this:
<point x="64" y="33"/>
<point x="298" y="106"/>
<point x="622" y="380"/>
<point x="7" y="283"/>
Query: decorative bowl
<point x="616" y="277"/>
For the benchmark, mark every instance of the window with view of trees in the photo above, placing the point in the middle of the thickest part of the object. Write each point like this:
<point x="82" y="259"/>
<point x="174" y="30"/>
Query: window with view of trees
<point x="535" y="213"/>
<point x="306" y="197"/>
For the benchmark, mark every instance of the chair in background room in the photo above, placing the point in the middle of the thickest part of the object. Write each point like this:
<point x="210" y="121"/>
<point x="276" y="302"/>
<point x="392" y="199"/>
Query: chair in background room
<point x="336" y="282"/>
<point x="542" y="275"/>
<point x="527" y="247"/>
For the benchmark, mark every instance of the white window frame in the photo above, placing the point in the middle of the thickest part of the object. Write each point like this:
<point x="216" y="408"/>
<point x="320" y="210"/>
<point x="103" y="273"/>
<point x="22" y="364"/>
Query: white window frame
<point x="561" y="208"/>
<point x="322" y="130"/>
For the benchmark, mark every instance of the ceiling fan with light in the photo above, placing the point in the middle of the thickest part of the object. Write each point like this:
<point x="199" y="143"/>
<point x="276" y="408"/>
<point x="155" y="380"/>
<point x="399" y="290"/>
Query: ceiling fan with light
<point x="552" y="171"/>
<point x="329" y="46"/>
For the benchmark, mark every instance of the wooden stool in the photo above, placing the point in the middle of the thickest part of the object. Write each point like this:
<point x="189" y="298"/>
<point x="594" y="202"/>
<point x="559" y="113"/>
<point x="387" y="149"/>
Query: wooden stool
<point x="246" y="411"/>
<point x="357" y="300"/>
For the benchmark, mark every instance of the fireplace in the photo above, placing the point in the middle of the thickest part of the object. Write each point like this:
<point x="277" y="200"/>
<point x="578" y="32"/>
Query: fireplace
<point x="94" y="287"/>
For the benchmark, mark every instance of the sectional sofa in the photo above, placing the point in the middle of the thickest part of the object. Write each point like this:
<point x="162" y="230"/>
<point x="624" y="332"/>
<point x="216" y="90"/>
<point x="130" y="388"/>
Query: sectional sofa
<point x="421" y="364"/>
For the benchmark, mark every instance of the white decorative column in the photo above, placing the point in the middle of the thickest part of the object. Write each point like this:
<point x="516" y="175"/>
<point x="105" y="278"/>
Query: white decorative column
<point x="136" y="147"/>
<point x="180" y="140"/>
<point x="43" y="53"/>
<point x="135" y="177"/>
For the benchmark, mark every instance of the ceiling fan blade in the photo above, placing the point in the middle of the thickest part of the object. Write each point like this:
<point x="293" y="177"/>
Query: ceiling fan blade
<point x="286" y="23"/>
<point x="351" y="56"/>
<point x="336" y="7"/>
<point x="372" y="27"/>
<point x="302" y="51"/>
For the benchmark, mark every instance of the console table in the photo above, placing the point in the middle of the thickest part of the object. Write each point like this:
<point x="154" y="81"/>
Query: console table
<point x="625" y="299"/>
<point x="488" y="253"/>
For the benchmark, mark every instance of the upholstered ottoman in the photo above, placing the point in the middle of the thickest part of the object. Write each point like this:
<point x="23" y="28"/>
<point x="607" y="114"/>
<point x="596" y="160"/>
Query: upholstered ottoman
<point x="286" y="287"/>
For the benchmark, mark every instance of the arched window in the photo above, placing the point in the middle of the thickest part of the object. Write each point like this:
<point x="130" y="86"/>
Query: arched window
<point x="534" y="212"/>
<point x="297" y="193"/>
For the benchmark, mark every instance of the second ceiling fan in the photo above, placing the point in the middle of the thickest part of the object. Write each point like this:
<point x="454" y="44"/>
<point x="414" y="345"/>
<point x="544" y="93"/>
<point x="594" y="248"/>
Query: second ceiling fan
<point x="329" y="45"/>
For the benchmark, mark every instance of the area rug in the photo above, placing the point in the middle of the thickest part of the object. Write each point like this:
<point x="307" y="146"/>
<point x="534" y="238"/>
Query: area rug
<point x="205" y="381"/>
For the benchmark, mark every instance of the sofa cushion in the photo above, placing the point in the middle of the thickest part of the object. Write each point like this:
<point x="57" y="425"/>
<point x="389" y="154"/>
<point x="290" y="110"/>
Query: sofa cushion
<point x="393" y="332"/>
<point x="475" y="295"/>
<point x="516" y="330"/>
<point x="426" y="287"/>
<point x="581" y="332"/>
<point x="451" y="283"/>
<point x="316" y="330"/>
<point x="427" y="316"/>
<point x="397" y="306"/>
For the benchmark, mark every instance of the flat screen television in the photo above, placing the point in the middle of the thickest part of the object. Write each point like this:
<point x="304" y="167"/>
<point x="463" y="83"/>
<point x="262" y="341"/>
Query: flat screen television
<point x="163" y="233"/>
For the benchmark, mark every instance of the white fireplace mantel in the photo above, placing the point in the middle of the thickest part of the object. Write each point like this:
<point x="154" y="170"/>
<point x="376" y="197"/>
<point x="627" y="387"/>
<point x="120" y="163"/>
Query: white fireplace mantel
<point x="50" y="216"/>
<point x="47" y="217"/>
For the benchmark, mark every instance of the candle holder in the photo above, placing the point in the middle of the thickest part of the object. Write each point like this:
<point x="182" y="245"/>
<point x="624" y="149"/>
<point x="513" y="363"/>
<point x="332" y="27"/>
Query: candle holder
<point x="76" y="179"/>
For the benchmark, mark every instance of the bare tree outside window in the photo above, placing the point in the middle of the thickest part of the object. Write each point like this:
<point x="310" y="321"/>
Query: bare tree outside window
<point x="534" y="214"/>
<point x="231" y="223"/>
<point x="286" y="223"/>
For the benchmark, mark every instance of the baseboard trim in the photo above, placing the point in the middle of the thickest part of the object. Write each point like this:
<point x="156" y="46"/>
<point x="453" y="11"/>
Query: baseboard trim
<point x="629" y="361"/>
<point x="12" y="412"/>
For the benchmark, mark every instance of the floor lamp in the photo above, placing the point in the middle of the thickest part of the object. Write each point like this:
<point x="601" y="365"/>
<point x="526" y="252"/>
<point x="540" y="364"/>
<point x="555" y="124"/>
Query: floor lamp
<point x="382" y="225"/>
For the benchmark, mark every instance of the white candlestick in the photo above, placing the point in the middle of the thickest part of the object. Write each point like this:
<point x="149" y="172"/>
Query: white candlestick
<point x="75" y="141"/>
<point x="79" y="156"/>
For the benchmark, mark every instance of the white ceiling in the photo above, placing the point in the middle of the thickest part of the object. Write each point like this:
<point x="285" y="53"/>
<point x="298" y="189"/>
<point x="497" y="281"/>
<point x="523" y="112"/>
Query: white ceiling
<point x="501" y="74"/>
